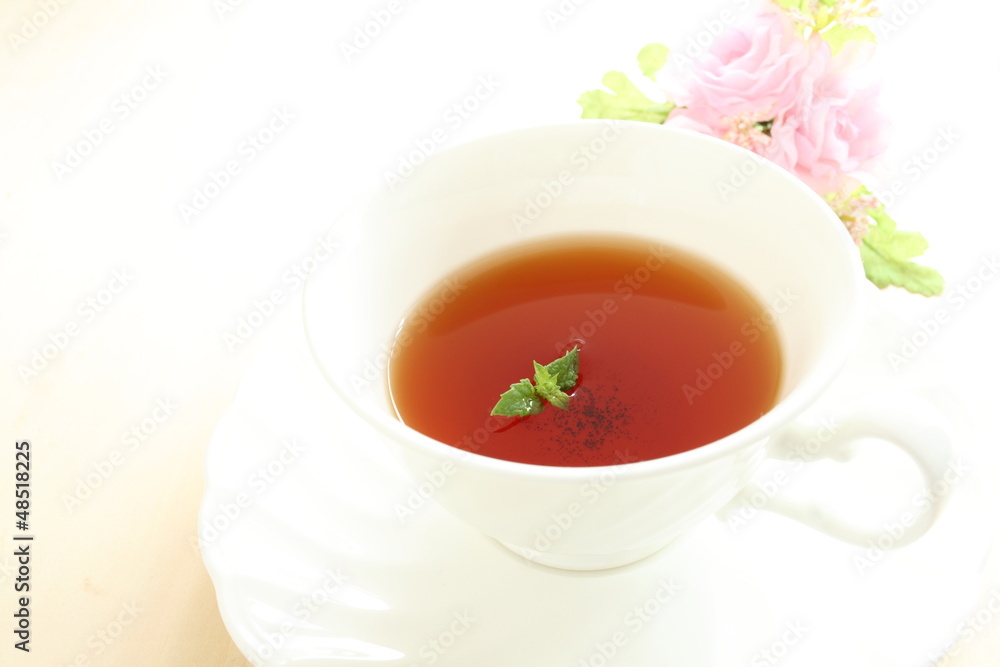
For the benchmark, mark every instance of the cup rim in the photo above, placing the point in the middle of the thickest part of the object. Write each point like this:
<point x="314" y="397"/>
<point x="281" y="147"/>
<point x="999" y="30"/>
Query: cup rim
<point x="805" y="392"/>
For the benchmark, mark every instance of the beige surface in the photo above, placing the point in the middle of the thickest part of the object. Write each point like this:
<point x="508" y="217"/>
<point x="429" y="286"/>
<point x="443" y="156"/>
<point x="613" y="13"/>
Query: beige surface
<point x="129" y="544"/>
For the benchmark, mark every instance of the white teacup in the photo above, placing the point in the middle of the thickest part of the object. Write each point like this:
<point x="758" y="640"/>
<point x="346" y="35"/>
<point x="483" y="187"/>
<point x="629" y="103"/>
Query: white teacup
<point x="773" y="234"/>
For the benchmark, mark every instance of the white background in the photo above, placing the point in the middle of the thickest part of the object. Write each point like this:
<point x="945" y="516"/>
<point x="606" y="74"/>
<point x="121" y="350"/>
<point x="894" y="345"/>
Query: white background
<point x="227" y="67"/>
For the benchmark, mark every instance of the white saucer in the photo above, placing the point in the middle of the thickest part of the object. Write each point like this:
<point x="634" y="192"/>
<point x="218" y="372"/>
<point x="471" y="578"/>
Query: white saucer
<point x="313" y="566"/>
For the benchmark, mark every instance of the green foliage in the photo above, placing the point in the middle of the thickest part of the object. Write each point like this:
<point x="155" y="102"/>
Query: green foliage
<point x="887" y="252"/>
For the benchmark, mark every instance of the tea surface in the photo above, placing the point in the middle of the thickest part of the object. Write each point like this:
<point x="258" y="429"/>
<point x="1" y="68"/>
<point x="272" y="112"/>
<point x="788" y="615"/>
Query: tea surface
<point x="674" y="354"/>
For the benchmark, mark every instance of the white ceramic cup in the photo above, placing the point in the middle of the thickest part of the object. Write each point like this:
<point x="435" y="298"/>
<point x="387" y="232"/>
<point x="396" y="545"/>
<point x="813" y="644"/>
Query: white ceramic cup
<point x="669" y="186"/>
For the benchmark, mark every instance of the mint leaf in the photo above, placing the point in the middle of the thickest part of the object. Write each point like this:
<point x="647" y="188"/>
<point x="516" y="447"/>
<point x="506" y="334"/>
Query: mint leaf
<point x="624" y="102"/>
<point x="886" y="254"/>
<point x="520" y="400"/>
<point x="652" y="58"/>
<point x="544" y="380"/>
<point x="523" y="398"/>
<point x="566" y="368"/>
<point x="557" y="398"/>
<point x="548" y="385"/>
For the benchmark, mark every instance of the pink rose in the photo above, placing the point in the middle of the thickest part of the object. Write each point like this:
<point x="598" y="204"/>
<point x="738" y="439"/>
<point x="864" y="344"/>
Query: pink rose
<point x="751" y="69"/>
<point x="766" y="88"/>
<point x="834" y="132"/>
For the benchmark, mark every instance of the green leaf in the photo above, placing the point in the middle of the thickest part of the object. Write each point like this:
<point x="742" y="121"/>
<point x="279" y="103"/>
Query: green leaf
<point x="652" y="58"/>
<point x="520" y="400"/>
<point x="624" y="102"/>
<point x="886" y="254"/>
<point x="557" y="398"/>
<point x="523" y="398"/>
<point x="837" y="35"/>
<point x="566" y="368"/>
<point x="547" y="384"/>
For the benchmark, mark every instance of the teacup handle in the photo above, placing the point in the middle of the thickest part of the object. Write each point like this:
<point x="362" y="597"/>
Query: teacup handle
<point x="911" y="424"/>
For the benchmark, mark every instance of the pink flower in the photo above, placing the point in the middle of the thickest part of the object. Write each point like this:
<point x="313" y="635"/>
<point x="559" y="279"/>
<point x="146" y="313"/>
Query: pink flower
<point x="748" y="70"/>
<point x="836" y="131"/>
<point x="772" y="91"/>
<point x="854" y="208"/>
